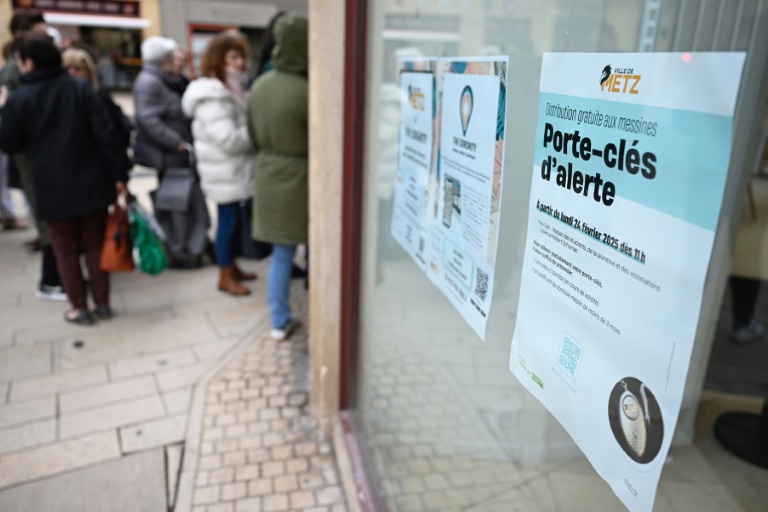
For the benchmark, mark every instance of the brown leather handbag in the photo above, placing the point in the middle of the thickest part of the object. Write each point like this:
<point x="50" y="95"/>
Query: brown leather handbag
<point x="116" y="251"/>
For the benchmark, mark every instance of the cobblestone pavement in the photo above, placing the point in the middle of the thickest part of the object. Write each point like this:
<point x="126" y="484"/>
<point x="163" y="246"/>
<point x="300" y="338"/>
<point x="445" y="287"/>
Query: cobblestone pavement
<point x="259" y="449"/>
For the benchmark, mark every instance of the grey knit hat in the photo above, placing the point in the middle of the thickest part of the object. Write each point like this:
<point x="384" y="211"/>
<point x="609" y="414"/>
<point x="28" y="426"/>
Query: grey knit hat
<point x="156" y="49"/>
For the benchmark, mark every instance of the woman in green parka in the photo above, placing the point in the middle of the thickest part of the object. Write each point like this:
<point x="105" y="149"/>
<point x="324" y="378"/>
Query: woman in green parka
<point x="277" y="126"/>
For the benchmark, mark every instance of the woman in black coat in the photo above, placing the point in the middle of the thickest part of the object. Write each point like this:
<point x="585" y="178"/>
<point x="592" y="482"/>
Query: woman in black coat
<point x="76" y="165"/>
<point x="79" y="64"/>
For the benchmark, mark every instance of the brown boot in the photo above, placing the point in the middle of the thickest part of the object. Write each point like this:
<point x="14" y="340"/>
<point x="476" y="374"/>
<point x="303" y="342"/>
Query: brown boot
<point x="13" y="225"/>
<point x="241" y="275"/>
<point x="228" y="283"/>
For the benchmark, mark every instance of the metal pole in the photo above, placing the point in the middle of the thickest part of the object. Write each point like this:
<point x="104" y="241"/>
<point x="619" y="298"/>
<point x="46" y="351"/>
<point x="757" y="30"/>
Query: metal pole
<point x="697" y="30"/>
<point x="719" y="25"/>
<point x="678" y="28"/>
<point x="736" y="24"/>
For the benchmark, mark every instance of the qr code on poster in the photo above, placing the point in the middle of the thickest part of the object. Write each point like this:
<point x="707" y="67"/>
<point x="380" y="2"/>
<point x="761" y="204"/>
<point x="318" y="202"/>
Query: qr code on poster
<point x="570" y="356"/>
<point x="481" y="284"/>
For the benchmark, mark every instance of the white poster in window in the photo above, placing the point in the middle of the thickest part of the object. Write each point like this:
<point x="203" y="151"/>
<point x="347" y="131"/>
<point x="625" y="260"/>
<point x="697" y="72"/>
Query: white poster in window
<point x="632" y="153"/>
<point x="415" y="157"/>
<point x="465" y="227"/>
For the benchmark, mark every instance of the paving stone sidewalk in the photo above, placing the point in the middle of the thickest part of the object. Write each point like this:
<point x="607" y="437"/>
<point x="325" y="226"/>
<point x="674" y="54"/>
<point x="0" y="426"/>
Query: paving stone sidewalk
<point x="73" y="397"/>
<point x="259" y="449"/>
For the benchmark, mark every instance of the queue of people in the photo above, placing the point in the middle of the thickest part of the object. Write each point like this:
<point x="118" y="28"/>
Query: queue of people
<point x="247" y="150"/>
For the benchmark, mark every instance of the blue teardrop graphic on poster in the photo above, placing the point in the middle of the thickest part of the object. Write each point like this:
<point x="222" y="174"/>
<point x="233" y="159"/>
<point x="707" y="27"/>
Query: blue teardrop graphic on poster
<point x="466" y="104"/>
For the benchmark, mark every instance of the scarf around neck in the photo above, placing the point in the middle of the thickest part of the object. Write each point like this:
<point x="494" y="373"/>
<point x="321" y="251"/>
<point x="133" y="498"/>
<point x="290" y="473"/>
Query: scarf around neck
<point x="176" y="83"/>
<point x="235" y="86"/>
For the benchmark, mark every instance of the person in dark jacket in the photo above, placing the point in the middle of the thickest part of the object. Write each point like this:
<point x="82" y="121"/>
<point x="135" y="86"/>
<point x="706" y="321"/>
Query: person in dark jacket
<point x="266" y="46"/>
<point x="163" y="132"/>
<point x="8" y="218"/>
<point x="73" y="152"/>
<point x="79" y="63"/>
<point x="50" y="285"/>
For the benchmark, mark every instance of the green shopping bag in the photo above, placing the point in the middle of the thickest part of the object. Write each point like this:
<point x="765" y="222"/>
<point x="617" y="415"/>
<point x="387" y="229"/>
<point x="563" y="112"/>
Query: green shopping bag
<point x="148" y="240"/>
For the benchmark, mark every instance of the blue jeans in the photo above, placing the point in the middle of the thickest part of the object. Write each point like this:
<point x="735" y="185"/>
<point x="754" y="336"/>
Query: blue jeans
<point x="279" y="284"/>
<point x="225" y="233"/>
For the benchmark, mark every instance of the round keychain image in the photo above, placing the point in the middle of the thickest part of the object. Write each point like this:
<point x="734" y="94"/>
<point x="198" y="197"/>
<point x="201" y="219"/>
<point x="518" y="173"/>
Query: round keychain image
<point x="635" y="419"/>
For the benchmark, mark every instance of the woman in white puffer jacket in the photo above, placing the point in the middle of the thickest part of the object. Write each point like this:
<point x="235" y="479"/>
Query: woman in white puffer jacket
<point x="216" y="103"/>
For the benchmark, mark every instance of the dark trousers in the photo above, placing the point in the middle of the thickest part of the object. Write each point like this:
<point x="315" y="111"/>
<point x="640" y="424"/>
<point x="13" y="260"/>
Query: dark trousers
<point x="744" y="293"/>
<point x="28" y="186"/>
<point x="71" y="238"/>
<point x="50" y="273"/>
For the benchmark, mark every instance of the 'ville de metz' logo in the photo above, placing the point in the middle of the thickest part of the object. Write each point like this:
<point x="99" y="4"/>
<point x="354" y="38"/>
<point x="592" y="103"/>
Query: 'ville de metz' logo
<point x="621" y="80"/>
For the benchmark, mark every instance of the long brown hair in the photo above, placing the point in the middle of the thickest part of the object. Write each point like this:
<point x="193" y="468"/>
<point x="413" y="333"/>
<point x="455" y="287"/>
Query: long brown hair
<point x="212" y="63"/>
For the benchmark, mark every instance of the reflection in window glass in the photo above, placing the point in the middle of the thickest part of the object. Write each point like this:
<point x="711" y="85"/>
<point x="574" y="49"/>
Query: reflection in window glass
<point x="446" y="425"/>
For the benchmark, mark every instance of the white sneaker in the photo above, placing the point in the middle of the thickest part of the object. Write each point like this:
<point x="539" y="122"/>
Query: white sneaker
<point x="52" y="293"/>
<point x="285" y="332"/>
<point x="753" y="331"/>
